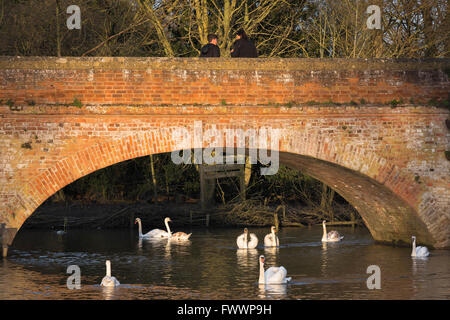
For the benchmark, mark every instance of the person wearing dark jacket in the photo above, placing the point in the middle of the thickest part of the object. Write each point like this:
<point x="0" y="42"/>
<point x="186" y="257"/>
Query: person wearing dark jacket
<point x="211" y="49"/>
<point x="243" y="47"/>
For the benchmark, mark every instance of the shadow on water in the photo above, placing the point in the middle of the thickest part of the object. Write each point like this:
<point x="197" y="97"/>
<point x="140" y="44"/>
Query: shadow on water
<point x="209" y="266"/>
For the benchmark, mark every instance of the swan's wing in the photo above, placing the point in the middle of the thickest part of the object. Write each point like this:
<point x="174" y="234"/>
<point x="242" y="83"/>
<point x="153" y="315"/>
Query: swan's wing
<point x="268" y="240"/>
<point x="283" y="272"/>
<point x="181" y="235"/>
<point x="270" y="274"/>
<point x="156" y="233"/>
<point x="276" y="275"/>
<point x="333" y="235"/>
<point x="187" y="236"/>
<point x="422" y="251"/>
<point x="109" y="282"/>
<point x="253" y="241"/>
<point x="240" y="241"/>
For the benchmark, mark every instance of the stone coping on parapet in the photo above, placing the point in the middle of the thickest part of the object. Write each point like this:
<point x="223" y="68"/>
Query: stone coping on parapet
<point x="243" y="64"/>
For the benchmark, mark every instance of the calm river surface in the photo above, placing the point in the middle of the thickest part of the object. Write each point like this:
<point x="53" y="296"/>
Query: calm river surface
<point x="209" y="266"/>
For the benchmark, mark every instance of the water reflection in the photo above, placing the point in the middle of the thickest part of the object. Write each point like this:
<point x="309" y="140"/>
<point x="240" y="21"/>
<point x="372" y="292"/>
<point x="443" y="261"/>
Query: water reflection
<point x="208" y="266"/>
<point x="167" y="248"/>
<point x="272" y="290"/>
<point x="247" y="258"/>
<point x="324" y="262"/>
<point x="271" y="251"/>
<point x="419" y="264"/>
<point x="108" y="292"/>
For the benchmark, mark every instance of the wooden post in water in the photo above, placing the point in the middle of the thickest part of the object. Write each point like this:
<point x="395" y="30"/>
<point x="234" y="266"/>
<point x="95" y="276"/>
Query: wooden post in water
<point x="207" y="220"/>
<point x="242" y="182"/>
<point x="202" y="186"/>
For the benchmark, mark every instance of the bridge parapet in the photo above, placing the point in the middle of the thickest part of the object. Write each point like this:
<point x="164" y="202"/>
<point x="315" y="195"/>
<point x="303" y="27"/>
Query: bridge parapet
<point x="189" y="81"/>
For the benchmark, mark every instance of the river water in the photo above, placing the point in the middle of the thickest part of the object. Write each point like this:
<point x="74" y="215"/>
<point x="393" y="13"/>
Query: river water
<point x="209" y="266"/>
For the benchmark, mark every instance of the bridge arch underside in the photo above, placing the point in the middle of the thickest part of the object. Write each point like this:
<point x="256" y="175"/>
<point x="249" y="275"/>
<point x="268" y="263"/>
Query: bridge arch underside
<point x="388" y="218"/>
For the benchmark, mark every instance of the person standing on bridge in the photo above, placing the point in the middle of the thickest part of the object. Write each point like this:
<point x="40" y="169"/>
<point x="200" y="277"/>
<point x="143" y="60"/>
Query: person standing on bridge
<point x="243" y="47"/>
<point x="211" y="49"/>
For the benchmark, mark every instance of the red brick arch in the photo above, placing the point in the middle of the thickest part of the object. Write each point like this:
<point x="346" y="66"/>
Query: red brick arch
<point x="385" y="195"/>
<point x="387" y="160"/>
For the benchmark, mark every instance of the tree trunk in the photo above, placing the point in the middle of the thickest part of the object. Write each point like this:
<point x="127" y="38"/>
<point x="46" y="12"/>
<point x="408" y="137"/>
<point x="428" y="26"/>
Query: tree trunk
<point x="323" y="200"/>
<point x="152" y="168"/>
<point x="58" y="31"/>
<point x="247" y="170"/>
<point x="379" y="33"/>
<point x="329" y="204"/>
<point x="431" y="49"/>
<point x="166" y="175"/>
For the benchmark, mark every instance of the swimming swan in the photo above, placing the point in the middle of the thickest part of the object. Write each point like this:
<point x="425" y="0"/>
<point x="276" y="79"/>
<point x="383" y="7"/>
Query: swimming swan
<point x="177" y="235"/>
<point x="107" y="280"/>
<point x="332" y="236"/>
<point x="155" y="233"/>
<point x="273" y="275"/>
<point x="271" y="239"/>
<point x="243" y="242"/>
<point x="419" y="251"/>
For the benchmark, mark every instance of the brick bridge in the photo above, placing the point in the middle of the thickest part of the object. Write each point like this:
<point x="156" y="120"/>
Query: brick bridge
<point x="63" y="118"/>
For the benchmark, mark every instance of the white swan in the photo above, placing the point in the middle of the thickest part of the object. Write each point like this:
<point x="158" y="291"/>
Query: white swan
<point x="331" y="236"/>
<point x="177" y="235"/>
<point x="108" y="280"/>
<point x="273" y="275"/>
<point x="419" y="251"/>
<point x="243" y="242"/>
<point x="155" y="233"/>
<point x="271" y="239"/>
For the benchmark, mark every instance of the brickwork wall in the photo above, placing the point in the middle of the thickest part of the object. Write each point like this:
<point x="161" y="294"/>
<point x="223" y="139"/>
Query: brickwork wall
<point x="388" y="162"/>
<point x="177" y="81"/>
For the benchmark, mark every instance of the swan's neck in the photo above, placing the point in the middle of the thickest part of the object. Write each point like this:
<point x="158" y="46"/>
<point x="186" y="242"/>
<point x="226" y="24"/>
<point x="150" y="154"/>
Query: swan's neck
<point x="274" y="239"/>
<point x="108" y="269"/>
<point x="324" y="231"/>
<point x="168" y="228"/>
<point x="261" y="273"/>
<point x="413" y="253"/>
<point x="246" y="240"/>
<point x="140" y="228"/>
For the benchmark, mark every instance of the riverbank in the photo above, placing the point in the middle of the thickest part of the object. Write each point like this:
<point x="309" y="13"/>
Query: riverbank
<point x="121" y="214"/>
